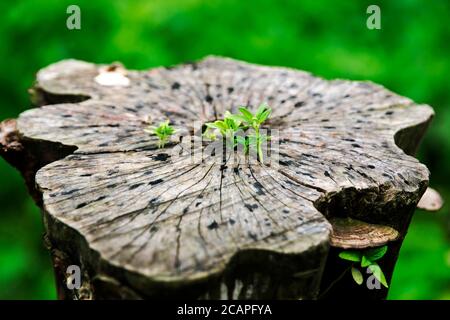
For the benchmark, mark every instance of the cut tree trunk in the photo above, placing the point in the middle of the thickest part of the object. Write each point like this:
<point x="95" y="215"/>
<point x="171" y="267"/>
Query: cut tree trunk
<point x="144" y="222"/>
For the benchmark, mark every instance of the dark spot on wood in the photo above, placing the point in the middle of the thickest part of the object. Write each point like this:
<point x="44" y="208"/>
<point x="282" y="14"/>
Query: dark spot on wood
<point x="259" y="188"/>
<point x="251" y="207"/>
<point x="152" y="183"/>
<point x="230" y="89"/>
<point x="176" y="86"/>
<point x="252" y="236"/>
<point x="208" y="98"/>
<point x="161" y="157"/>
<point x="299" y="104"/>
<point x="213" y="225"/>
<point x="310" y="155"/>
<point x="355" y="145"/>
<point x="286" y="162"/>
<point x="81" y="205"/>
<point x="64" y="193"/>
<point x="134" y="186"/>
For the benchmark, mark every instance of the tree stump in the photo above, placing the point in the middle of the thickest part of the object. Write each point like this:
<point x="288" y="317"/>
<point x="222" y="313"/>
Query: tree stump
<point x="142" y="224"/>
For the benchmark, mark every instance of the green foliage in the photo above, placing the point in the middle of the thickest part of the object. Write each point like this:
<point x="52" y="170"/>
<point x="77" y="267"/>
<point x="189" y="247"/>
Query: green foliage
<point x="357" y="275"/>
<point x="227" y="127"/>
<point x="163" y="131"/>
<point x="365" y="262"/>
<point x="378" y="274"/>
<point x="367" y="258"/>
<point x="351" y="255"/>
<point x="232" y="123"/>
<point x="254" y="121"/>
<point x="375" y="253"/>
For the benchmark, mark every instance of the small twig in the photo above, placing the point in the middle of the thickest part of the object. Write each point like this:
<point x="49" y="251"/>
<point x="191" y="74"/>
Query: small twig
<point x="333" y="283"/>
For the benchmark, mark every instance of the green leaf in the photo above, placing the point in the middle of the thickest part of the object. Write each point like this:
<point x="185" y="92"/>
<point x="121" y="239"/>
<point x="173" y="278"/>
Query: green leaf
<point x="365" y="262"/>
<point x="350" y="255"/>
<point x="238" y="118"/>
<point x="378" y="274"/>
<point x="212" y="125"/>
<point x="247" y="114"/>
<point x="262" y="108"/>
<point x="357" y="275"/>
<point x="220" y="125"/>
<point x="263" y="116"/>
<point x="163" y="131"/>
<point x="376" y="253"/>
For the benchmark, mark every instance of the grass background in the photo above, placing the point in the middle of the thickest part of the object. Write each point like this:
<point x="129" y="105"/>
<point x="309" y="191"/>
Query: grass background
<point x="409" y="55"/>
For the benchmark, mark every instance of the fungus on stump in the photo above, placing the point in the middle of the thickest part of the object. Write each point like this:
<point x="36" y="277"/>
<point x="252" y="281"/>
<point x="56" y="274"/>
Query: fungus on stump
<point x="143" y="223"/>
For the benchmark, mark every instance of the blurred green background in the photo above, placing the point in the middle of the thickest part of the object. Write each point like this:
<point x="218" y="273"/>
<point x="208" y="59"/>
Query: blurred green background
<point x="409" y="55"/>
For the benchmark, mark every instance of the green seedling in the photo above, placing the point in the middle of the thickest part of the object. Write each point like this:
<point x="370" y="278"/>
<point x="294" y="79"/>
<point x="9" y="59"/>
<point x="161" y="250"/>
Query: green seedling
<point x="163" y="131"/>
<point x="232" y="123"/>
<point x="226" y="127"/>
<point x="254" y="121"/>
<point x="367" y="259"/>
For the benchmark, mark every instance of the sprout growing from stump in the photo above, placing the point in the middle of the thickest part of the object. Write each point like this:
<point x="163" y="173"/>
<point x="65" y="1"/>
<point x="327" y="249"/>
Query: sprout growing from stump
<point x="367" y="259"/>
<point x="232" y="123"/>
<point x="163" y="131"/>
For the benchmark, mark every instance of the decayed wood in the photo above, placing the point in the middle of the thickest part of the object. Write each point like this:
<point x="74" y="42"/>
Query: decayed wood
<point x="143" y="224"/>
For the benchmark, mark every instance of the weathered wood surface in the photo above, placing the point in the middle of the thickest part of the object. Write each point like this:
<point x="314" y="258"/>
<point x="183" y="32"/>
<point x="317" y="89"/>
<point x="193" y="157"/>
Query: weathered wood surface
<point x="144" y="224"/>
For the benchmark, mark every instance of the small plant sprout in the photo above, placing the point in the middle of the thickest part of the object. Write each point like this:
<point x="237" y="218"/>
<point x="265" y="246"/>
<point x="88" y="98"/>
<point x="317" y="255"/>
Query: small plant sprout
<point x="367" y="259"/>
<point x="163" y="131"/>
<point x="232" y="123"/>
<point x="226" y="127"/>
<point x="254" y="121"/>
